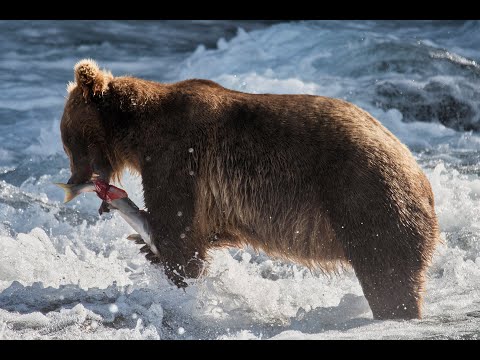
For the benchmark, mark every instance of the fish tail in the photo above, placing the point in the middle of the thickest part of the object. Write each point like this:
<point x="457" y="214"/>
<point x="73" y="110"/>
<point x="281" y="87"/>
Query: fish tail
<point x="70" y="192"/>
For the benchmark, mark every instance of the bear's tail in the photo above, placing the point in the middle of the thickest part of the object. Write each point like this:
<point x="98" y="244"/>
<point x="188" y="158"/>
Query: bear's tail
<point x="90" y="78"/>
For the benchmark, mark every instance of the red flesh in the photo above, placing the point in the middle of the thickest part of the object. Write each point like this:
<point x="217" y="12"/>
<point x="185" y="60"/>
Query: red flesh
<point x="108" y="192"/>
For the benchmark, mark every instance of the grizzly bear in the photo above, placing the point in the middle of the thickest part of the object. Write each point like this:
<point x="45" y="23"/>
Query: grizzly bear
<point x="310" y="179"/>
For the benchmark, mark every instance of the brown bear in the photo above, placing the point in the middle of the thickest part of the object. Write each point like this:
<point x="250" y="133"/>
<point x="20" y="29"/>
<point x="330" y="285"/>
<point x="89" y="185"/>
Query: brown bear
<point x="310" y="179"/>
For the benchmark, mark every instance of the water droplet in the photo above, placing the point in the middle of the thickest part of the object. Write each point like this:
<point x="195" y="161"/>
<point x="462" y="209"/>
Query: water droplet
<point x="179" y="213"/>
<point x="182" y="236"/>
<point x="181" y="331"/>
<point x="190" y="150"/>
<point x="191" y="173"/>
<point x="113" y="308"/>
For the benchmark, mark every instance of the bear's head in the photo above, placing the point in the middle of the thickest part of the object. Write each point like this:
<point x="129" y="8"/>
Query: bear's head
<point x="83" y="129"/>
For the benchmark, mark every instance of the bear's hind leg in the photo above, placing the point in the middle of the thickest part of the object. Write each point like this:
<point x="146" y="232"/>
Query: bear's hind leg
<point x="391" y="269"/>
<point x="390" y="247"/>
<point x="393" y="291"/>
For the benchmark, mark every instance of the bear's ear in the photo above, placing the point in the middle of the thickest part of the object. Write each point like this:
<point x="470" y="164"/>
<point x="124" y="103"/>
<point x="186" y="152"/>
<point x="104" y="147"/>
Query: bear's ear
<point x="90" y="78"/>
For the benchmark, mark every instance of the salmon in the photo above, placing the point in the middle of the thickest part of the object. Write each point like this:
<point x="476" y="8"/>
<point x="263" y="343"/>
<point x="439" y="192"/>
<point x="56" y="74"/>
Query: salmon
<point x="117" y="199"/>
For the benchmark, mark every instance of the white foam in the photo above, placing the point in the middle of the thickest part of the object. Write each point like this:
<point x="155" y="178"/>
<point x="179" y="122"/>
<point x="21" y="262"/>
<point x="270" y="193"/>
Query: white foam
<point x="32" y="257"/>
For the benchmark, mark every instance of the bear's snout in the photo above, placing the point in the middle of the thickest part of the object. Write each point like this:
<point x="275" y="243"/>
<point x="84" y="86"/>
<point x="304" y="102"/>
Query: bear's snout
<point x="82" y="176"/>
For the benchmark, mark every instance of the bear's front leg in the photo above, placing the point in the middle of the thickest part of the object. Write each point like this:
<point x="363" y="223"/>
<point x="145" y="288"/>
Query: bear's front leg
<point x="169" y="193"/>
<point x="181" y="258"/>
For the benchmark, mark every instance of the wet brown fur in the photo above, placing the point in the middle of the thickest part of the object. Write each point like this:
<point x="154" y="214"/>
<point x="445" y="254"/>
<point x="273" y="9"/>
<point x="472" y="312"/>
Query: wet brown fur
<point x="307" y="178"/>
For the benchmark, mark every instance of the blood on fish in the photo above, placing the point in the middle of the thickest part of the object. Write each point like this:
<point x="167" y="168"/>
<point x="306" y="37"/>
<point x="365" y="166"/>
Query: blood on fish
<point x="108" y="192"/>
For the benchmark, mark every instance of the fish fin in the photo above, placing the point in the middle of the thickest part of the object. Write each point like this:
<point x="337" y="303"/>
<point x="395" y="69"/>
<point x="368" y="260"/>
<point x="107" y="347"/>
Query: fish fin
<point x="152" y="258"/>
<point x="104" y="208"/>
<point x="69" y="194"/>
<point x="146" y="249"/>
<point x="136" y="237"/>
